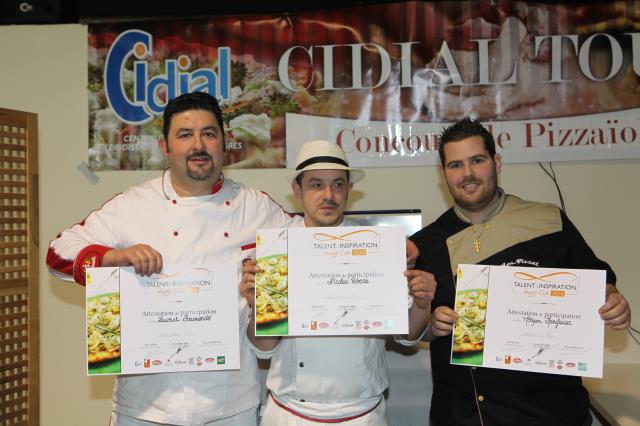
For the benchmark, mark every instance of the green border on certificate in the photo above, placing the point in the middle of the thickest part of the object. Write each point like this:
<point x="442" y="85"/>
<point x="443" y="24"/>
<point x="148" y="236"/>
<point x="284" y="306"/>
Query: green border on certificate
<point x="469" y="329"/>
<point x="272" y="296"/>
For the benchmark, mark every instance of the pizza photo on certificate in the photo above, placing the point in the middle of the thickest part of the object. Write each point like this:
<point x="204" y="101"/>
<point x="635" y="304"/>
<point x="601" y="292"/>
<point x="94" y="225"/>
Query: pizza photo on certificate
<point x="103" y="332"/>
<point x="468" y="331"/>
<point x="272" y="294"/>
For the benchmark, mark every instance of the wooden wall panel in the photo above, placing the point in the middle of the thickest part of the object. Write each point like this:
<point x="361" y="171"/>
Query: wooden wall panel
<point x="19" y="330"/>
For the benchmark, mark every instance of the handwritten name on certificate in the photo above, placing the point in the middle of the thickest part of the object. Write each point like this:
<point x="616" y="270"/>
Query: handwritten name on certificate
<point x="331" y="281"/>
<point x="184" y="319"/>
<point x="530" y="319"/>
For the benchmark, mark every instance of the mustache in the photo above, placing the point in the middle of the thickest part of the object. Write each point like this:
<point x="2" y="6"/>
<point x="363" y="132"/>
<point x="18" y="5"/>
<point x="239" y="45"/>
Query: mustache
<point x="200" y="154"/>
<point x="329" y="203"/>
<point x="467" y="180"/>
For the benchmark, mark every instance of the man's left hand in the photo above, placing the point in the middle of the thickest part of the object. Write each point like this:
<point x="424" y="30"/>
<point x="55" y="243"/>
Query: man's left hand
<point x="615" y="311"/>
<point x="422" y="286"/>
<point x="412" y="253"/>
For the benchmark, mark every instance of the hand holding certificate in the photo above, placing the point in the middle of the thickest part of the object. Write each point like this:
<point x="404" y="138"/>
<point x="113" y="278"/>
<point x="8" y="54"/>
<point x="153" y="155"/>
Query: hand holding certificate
<point x="530" y="319"/>
<point x="331" y="281"/>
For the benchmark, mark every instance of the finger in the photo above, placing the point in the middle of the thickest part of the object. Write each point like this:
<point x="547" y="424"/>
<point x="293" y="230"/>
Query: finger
<point x="445" y="312"/>
<point x="611" y="301"/>
<point x="620" y="322"/>
<point x="444" y="320"/>
<point x="421" y="289"/>
<point x="421" y="285"/>
<point x="418" y="286"/>
<point x="613" y="313"/>
<point x="157" y="261"/>
<point x="151" y="263"/>
<point x="440" y="323"/>
<point x="614" y="307"/>
<point x="148" y="260"/>
<point x="252" y="269"/>
<point x="138" y="266"/>
<point x="247" y="283"/>
<point x="439" y="330"/>
<point x="249" y="277"/>
<point x="248" y="293"/>
<point x="623" y="325"/>
<point x="135" y="257"/>
<point x="411" y="273"/>
<point x="423" y="295"/>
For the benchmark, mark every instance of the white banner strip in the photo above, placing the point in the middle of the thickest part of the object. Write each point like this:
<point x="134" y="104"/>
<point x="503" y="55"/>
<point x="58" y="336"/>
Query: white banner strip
<point x="607" y="136"/>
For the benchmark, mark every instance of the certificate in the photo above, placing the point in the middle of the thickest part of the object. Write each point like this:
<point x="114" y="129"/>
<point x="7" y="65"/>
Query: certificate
<point x="331" y="281"/>
<point x="184" y="319"/>
<point x="530" y="319"/>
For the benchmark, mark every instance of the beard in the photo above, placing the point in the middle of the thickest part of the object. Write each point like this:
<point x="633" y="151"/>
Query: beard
<point x="480" y="201"/>
<point x="199" y="173"/>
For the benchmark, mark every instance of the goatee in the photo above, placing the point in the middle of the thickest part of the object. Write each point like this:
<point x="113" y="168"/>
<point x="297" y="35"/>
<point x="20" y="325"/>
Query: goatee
<point x="198" y="173"/>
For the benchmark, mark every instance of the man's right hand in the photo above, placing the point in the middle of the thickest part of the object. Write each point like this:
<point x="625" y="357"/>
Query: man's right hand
<point x="144" y="259"/>
<point x="442" y="320"/>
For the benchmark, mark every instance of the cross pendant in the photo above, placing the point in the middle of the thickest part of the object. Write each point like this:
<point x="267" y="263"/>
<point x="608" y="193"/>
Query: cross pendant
<point x="476" y="245"/>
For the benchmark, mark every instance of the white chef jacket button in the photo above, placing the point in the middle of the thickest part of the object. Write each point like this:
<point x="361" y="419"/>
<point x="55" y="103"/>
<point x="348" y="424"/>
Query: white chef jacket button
<point x="227" y="203"/>
<point x="226" y="235"/>
<point x="301" y="364"/>
<point x="480" y="398"/>
<point x="175" y="233"/>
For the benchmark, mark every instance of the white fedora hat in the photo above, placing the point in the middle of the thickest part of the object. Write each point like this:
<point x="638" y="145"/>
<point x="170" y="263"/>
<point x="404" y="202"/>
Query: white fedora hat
<point x="323" y="155"/>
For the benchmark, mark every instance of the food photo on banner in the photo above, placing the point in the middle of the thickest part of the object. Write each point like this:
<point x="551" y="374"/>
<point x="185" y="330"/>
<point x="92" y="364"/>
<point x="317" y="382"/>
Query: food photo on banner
<point x="552" y="81"/>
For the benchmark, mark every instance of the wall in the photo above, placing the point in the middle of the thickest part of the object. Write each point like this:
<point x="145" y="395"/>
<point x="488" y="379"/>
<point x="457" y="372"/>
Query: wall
<point x="43" y="70"/>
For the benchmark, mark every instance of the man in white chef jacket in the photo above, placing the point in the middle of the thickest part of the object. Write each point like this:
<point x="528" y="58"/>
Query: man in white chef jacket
<point x="338" y="380"/>
<point x="191" y="214"/>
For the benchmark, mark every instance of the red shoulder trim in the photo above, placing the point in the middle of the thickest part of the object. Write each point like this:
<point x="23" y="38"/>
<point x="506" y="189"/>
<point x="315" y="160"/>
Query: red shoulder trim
<point x="248" y="246"/>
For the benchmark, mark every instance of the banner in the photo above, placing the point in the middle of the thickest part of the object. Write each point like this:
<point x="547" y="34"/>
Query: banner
<point x="553" y="81"/>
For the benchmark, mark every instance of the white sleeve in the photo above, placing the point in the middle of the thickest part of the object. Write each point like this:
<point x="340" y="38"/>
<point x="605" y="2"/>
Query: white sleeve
<point x="260" y="354"/>
<point x="399" y="338"/>
<point x="89" y="239"/>
<point x="276" y="216"/>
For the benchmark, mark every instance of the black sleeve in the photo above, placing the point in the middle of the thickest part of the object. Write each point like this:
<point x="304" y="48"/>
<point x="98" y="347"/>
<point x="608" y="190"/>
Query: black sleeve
<point x="434" y="258"/>
<point x="580" y="254"/>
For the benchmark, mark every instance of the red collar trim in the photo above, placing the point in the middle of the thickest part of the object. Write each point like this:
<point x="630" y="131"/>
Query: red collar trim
<point x="218" y="185"/>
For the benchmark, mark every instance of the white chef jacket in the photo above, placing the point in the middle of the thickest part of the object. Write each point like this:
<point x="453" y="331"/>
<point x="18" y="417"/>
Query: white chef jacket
<point x="209" y="229"/>
<point x="329" y="377"/>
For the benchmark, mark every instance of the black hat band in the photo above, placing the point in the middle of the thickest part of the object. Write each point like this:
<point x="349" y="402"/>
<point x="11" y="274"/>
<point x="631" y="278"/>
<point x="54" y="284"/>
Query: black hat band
<point x="321" y="159"/>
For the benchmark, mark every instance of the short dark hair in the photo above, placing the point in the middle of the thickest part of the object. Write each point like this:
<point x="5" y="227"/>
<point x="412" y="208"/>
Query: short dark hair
<point x="188" y="102"/>
<point x="465" y="128"/>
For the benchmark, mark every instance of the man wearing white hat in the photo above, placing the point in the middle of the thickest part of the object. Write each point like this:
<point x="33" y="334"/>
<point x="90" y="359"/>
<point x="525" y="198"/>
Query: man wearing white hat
<point x="338" y="380"/>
